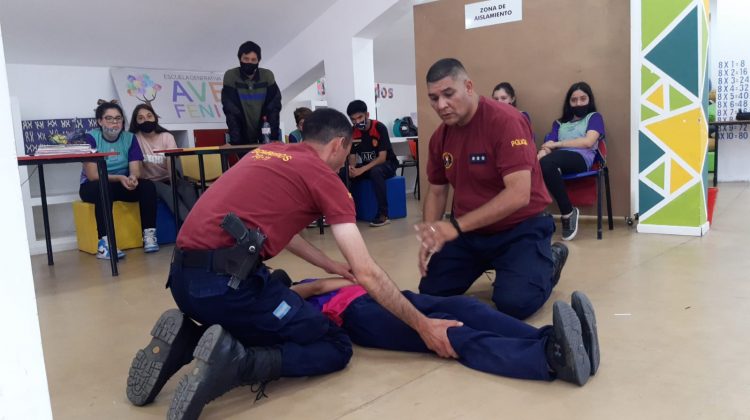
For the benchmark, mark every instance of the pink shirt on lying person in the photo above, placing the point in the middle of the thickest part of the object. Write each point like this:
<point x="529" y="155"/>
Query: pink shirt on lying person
<point x="333" y="304"/>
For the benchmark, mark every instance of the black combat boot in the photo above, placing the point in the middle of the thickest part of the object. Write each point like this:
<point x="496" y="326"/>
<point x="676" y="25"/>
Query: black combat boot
<point x="174" y="339"/>
<point x="566" y="354"/>
<point x="221" y="364"/>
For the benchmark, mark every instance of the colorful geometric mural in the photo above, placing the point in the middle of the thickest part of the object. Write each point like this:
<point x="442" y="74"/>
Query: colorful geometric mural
<point x="673" y="119"/>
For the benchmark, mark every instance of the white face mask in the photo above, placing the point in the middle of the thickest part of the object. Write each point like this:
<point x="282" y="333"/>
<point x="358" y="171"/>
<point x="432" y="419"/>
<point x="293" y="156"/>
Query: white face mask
<point x="111" y="133"/>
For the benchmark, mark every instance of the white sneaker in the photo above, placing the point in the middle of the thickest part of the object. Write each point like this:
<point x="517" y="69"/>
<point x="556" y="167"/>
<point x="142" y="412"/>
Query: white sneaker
<point x="102" y="250"/>
<point x="150" y="243"/>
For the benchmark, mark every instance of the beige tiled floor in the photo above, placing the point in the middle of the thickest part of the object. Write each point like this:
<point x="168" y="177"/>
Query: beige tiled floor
<point x="672" y="313"/>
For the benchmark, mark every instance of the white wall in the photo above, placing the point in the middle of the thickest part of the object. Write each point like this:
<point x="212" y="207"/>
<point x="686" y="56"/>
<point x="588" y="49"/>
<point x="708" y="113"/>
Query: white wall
<point x="48" y="92"/>
<point x="729" y="42"/>
<point x="395" y="101"/>
<point x="304" y="99"/>
<point x="23" y="380"/>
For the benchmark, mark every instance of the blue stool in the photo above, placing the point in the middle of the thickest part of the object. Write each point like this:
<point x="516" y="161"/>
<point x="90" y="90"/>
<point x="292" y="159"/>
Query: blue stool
<point x="366" y="204"/>
<point x="166" y="232"/>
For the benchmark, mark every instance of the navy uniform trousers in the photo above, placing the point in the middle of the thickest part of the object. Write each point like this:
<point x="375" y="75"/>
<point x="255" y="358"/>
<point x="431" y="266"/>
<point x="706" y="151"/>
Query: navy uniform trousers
<point x="489" y="341"/>
<point x="521" y="258"/>
<point x="263" y="312"/>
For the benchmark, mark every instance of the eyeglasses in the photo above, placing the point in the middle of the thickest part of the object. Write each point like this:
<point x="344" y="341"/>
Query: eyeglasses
<point x="112" y="119"/>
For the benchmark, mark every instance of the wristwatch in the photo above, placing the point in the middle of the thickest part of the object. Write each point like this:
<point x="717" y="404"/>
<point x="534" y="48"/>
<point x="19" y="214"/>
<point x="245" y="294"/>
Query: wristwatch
<point x="454" y="222"/>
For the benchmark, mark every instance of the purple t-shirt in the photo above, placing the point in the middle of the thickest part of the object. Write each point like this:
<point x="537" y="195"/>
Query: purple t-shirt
<point x="596" y="123"/>
<point x="319" y="300"/>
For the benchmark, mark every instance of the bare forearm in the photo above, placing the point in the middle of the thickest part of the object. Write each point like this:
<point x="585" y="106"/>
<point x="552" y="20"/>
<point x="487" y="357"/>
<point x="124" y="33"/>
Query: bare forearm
<point x="585" y="142"/>
<point x="434" y="204"/>
<point x="135" y="168"/>
<point x="387" y="294"/>
<point x="93" y="175"/>
<point x="320" y="286"/>
<point x="305" y="250"/>
<point x="515" y="195"/>
<point x="500" y="207"/>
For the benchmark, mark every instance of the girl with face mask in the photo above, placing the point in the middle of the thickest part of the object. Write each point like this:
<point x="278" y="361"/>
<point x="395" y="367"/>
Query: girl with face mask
<point x="151" y="136"/>
<point x="570" y="148"/>
<point x="124" y="183"/>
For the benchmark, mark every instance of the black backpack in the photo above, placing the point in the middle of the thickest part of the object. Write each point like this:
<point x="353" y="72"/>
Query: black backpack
<point x="407" y="127"/>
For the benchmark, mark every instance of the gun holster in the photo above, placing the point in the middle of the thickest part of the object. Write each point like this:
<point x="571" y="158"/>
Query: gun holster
<point x="241" y="260"/>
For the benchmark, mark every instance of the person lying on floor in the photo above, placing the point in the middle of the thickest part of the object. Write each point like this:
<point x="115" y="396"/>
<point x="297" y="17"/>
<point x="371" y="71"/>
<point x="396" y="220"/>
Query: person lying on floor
<point x="489" y="341"/>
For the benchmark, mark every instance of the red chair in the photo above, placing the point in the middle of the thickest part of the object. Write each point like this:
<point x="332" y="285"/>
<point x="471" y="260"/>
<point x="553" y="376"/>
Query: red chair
<point x="585" y="188"/>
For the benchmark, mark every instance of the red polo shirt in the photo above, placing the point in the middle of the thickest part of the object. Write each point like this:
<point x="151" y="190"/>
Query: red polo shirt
<point x="474" y="159"/>
<point x="279" y="188"/>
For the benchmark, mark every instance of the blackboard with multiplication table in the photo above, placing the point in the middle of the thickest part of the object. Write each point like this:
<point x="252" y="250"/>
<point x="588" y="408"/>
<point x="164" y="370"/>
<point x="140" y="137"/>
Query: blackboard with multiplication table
<point x="732" y="95"/>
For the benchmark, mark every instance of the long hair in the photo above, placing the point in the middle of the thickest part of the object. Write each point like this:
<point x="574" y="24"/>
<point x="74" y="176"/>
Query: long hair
<point x="567" y="113"/>
<point x="134" y="125"/>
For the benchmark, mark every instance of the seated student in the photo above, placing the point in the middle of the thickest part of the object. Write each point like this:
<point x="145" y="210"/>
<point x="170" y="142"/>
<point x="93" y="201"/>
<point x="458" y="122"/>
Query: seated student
<point x="144" y="124"/>
<point x="372" y="156"/>
<point x="570" y="148"/>
<point x="504" y="92"/>
<point x="299" y="118"/>
<point x="489" y="340"/>
<point x="124" y="173"/>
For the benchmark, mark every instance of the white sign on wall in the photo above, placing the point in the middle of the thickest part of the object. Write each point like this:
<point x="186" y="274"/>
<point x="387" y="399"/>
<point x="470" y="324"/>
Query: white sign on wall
<point x="493" y="12"/>
<point x="177" y="96"/>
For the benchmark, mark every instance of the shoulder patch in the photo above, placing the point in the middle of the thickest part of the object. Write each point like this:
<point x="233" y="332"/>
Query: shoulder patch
<point x="519" y="142"/>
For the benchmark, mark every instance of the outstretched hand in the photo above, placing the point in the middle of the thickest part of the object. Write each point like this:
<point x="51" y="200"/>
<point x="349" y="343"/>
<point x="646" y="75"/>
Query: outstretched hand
<point x="434" y="333"/>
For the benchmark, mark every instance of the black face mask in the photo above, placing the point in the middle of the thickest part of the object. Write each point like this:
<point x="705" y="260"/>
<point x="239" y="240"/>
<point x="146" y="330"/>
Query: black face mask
<point x="580" y="111"/>
<point x="147" y="126"/>
<point x="248" y="68"/>
<point x="361" y="125"/>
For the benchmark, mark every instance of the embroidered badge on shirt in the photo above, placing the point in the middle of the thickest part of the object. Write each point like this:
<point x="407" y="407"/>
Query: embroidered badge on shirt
<point x="478" y="158"/>
<point x="447" y="160"/>
<point x="519" y="142"/>
<point x="281" y="310"/>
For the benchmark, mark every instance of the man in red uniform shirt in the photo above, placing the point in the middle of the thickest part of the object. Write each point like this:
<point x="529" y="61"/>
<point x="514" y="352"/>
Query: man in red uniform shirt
<point x="260" y="330"/>
<point x="484" y="150"/>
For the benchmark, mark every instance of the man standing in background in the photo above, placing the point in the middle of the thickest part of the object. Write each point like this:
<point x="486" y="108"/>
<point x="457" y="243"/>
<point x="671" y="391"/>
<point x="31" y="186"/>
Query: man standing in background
<point x="250" y="97"/>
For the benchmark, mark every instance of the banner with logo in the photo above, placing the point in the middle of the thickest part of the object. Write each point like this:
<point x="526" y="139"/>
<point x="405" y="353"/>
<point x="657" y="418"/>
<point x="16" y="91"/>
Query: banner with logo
<point x="179" y="97"/>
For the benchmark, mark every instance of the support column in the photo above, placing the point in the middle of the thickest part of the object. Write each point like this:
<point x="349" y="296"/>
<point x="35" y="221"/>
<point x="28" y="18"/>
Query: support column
<point x="670" y="134"/>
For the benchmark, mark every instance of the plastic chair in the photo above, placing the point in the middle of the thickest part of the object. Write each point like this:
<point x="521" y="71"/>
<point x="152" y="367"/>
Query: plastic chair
<point x="599" y="170"/>
<point x="413" y="162"/>
<point x="191" y="169"/>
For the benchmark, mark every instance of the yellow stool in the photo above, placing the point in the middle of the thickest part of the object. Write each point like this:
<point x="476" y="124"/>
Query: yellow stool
<point x="128" y="232"/>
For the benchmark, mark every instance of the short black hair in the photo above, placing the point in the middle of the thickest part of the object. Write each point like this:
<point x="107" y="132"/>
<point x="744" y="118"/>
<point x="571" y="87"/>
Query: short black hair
<point x="325" y="124"/>
<point x="247" y="48"/>
<point x="356" y="106"/>
<point x="443" y="68"/>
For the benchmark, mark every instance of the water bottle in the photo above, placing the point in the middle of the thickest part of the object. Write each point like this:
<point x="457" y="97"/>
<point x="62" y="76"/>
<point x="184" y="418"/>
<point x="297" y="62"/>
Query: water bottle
<point x="265" y="131"/>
